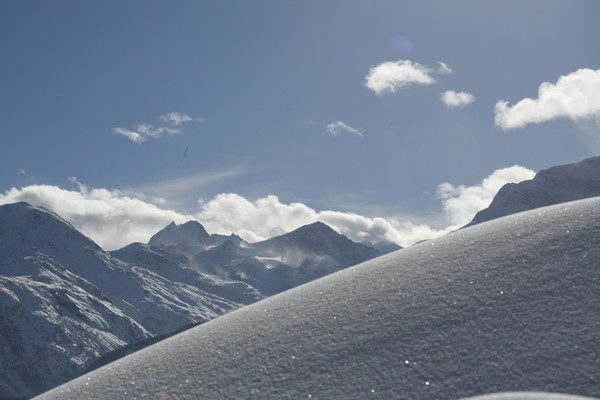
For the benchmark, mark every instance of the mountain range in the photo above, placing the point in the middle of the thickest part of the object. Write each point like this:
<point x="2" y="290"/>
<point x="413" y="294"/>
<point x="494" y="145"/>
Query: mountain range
<point x="508" y="305"/>
<point x="65" y="302"/>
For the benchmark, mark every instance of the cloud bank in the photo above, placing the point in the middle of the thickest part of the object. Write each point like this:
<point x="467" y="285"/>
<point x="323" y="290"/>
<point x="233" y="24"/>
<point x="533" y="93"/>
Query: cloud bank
<point x="575" y="96"/>
<point x="112" y="218"/>
<point x="391" y="76"/>
<point x="142" y="132"/>
<point x="115" y="218"/>
<point x="454" y="99"/>
<point x="339" y="127"/>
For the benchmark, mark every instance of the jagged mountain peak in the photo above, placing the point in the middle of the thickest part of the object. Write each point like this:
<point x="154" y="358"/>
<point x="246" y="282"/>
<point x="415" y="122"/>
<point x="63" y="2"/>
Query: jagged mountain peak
<point x="186" y="238"/>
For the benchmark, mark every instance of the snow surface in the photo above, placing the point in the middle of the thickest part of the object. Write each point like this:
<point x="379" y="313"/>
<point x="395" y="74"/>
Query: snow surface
<point x="529" y="396"/>
<point x="554" y="185"/>
<point x="503" y="306"/>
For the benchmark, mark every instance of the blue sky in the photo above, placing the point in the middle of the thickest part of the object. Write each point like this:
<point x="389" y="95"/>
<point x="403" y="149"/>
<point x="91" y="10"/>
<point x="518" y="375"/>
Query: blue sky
<point x="258" y="116"/>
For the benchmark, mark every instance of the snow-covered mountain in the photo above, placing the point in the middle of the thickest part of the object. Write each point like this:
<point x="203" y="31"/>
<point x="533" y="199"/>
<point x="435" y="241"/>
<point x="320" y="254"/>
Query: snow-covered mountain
<point x="270" y="266"/>
<point x="64" y="301"/>
<point x="471" y="313"/>
<point x="550" y="186"/>
<point x="189" y="238"/>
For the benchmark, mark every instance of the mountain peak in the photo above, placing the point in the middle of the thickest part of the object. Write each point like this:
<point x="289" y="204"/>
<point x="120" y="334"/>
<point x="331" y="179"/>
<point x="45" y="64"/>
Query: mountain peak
<point x="318" y="239"/>
<point x="185" y="238"/>
<point x="316" y="227"/>
<point x="550" y="186"/>
<point x="23" y="225"/>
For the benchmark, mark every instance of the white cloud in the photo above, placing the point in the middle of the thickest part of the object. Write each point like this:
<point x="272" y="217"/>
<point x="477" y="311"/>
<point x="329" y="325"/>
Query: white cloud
<point x="390" y="76"/>
<point x="133" y="136"/>
<point x="339" y="127"/>
<point x="177" y="118"/>
<point x="268" y="216"/>
<point x="575" y="96"/>
<point x="112" y="218"/>
<point x="142" y="132"/>
<point x="443" y="68"/>
<point x="461" y="203"/>
<point x="456" y="99"/>
<point x="115" y="218"/>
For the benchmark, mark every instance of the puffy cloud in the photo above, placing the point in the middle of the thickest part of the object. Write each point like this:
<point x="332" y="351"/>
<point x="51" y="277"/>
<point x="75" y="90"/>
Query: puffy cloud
<point x="390" y="76"/>
<point x="112" y="218"/>
<point x="339" y="127"/>
<point x="575" y="96"/>
<point x="456" y="99"/>
<point x="461" y="203"/>
<point x="268" y="216"/>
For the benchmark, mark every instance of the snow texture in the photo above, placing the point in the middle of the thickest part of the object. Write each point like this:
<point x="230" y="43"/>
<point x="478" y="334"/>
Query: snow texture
<point x="554" y="185"/>
<point x="503" y="306"/>
<point x="528" y="396"/>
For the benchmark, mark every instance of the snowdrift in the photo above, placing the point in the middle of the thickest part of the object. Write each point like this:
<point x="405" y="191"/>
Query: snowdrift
<point x="504" y="306"/>
<point x="529" y="396"/>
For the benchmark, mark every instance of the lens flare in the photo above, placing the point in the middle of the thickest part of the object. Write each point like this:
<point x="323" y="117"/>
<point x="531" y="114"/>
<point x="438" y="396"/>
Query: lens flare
<point x="402" y="44"/>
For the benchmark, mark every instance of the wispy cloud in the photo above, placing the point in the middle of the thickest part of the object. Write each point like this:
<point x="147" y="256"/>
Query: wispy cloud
<point x="575" y="96"/>
<point x="177" y="118"/>
<point x="192" y="182"/>
<point x="390" y="76"/>
<point x="339" y="127"/>
<point x="142" y="132"/>
<point x="454" y="99"/>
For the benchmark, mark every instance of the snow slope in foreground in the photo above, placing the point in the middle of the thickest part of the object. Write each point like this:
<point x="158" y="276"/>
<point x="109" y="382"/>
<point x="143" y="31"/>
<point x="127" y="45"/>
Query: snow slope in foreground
<point x="507" y="305"/>
<point x="529" y="396"/>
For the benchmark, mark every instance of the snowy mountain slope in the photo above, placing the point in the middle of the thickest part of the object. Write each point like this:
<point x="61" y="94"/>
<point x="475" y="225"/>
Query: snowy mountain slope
<point x="315" y="239"/>
<point x="178" y="268"/>
<point x="65" y="302"/>
<point x="316" y="249"/>
<point x="57" y="284"/>
<point x="52" y="324"/>
<point x="271" y="266"/>
<point x="554" y="185"/>
<point x="471" y="313"/>
<point x="529" y="396"/>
